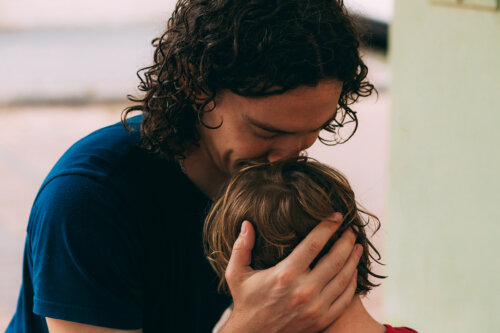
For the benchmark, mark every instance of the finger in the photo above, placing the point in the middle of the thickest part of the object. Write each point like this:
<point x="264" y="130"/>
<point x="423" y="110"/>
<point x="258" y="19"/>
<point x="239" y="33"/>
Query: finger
<point x="241" y="256"/>
<point x="333" y="262"/>
<point x="344" y="300"/>
<point x="309" y="248"/>
<point x="337" y="286"/>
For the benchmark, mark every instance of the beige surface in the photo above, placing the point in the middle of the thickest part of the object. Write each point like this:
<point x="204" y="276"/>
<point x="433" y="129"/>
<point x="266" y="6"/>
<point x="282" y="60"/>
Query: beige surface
<point x="443" y="212"/>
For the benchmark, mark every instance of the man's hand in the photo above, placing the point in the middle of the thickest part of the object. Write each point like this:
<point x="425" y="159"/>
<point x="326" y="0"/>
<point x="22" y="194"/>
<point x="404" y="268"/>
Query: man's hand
<point x="290" y="297"/>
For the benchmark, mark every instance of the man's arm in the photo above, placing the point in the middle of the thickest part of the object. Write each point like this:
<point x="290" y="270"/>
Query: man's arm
<point x="86" y="266"/>
<point x="290" y="297"/>
<point x="64" y="326"/>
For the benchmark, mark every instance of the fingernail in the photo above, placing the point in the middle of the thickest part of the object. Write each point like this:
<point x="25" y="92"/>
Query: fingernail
<point x="243" y="229"/>
<point x="337" y="218"/>
<point x="359" y="250"/>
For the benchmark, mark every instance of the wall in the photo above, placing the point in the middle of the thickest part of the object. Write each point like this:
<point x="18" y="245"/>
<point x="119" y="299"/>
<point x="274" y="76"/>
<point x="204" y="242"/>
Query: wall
<point x="443" y="191"/>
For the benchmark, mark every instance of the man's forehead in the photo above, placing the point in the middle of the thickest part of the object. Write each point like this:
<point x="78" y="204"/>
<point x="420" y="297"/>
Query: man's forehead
<point x="303" y="109"/>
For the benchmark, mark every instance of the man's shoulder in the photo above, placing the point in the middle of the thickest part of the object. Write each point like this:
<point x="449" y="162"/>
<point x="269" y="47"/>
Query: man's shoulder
<point x="110" y="166"/>
<point x="95" y="173"/>
<point x="100" y="151"/>
<point x="113" y="156"/>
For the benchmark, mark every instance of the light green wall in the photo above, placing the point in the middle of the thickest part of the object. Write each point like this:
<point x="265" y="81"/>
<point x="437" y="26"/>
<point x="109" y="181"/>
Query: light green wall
<point x="443" y="246"/>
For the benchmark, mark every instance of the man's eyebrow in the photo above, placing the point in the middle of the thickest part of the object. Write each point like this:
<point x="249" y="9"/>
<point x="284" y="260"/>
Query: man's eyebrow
<point x="273" y="129"/>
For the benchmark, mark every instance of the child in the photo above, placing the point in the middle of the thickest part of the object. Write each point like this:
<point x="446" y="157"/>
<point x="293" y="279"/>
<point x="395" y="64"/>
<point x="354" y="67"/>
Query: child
<point x="284" y="201"/>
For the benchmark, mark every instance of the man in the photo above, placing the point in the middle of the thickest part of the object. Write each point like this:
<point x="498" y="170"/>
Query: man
<point x="114" y="237"/>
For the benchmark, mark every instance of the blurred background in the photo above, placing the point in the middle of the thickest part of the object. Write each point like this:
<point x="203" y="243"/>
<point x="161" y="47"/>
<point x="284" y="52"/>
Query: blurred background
<point x="423" y="160"/>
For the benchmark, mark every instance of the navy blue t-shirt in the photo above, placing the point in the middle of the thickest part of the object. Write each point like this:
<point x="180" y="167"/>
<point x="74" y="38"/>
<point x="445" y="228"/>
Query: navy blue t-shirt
<point x="114" y="239"/>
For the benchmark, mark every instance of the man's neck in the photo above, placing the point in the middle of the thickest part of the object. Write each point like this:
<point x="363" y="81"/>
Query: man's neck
<point x="203" y="173"/>
<point x="355" y="319"/>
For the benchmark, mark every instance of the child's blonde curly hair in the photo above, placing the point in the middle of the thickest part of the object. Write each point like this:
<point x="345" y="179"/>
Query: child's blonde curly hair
<point x="284" y="201"/>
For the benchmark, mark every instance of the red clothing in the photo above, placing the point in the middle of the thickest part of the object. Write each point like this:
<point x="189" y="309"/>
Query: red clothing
<point x="390" y="329"/>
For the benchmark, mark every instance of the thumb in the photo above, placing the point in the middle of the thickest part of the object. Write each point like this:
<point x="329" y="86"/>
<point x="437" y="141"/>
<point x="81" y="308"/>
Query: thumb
<point x="241" y="256"/>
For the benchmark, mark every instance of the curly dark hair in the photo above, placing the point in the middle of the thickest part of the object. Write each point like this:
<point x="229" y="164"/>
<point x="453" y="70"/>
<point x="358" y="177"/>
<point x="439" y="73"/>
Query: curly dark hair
<point x="284" y="201"/>
<point x="247" y="47"/>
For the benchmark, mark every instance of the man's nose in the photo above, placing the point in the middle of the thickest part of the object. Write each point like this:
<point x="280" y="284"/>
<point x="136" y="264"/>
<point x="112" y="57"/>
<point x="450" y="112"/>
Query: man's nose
<point x="290" y="146"/>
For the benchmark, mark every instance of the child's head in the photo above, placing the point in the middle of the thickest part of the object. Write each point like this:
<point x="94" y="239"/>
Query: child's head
<point x="284" y="201"/>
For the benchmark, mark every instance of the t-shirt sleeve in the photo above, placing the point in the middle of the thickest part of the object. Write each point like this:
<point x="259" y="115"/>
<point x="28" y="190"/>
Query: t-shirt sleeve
<point x="85" y="255"/>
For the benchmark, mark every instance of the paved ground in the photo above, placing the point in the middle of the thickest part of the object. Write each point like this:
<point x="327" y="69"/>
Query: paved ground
<point x="33" y="137"/>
